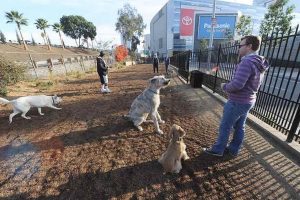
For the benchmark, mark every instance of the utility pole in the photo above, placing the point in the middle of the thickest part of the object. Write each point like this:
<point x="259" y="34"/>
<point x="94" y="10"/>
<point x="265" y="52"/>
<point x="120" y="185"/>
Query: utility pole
<point x="212" y="30"/>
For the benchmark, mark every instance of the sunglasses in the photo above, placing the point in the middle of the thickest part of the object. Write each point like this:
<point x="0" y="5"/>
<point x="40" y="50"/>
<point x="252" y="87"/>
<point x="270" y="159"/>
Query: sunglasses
<point x="241" y="45"/>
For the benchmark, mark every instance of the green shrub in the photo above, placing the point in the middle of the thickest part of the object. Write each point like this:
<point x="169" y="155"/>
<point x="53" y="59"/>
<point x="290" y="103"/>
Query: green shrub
<point x="10" y="72"/>
<point x="3" y="91"/>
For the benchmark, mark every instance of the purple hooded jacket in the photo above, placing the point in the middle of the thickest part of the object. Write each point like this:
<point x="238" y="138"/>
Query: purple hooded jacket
<point x="247" y="79"/>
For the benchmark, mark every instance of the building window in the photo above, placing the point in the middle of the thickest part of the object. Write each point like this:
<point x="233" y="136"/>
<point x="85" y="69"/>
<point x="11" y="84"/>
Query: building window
<point x="160" y="43"/>
<point x="176" y="36"/>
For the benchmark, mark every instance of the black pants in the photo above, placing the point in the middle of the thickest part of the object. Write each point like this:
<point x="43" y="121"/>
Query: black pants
<point x="167" y="66"/>
<point x="155" y="67"/>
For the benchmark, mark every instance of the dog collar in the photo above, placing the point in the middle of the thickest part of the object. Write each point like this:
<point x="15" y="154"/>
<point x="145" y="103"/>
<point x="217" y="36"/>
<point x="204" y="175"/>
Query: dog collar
<point x="154" y="91"/>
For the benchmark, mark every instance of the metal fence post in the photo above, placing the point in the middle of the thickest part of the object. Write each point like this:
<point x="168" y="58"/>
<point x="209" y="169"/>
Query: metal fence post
<point x="199" y="60"/>
<point x="188" y="57"/>
<point x="187" y="68"/>
<point x="294" y="127"/>
<point x="217" y="69"/>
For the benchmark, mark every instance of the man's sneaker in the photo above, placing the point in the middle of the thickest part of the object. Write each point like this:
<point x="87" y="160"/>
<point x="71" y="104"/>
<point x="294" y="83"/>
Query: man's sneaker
<point x="226" y="151"/>
<point x="210" y="152"/>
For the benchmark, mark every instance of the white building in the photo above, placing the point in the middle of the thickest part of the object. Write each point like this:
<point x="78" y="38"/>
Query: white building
<point x="180" y="24"/>
<point x="146" y="45"/>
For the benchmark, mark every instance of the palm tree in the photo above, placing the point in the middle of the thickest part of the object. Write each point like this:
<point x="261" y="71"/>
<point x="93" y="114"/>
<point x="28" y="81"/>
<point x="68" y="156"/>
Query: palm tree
<point x="57" y="27"/>
<point x="42" y="24"/>
<point x="15" y="16"/>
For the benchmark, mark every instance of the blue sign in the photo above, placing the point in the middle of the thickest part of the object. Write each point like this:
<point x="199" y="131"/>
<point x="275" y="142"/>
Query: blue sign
<point x="224" y="25"/>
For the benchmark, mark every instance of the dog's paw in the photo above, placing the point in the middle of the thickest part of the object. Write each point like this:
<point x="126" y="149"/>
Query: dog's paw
<point x="27" y="117"/>
<point x="160" y="132"/>
<point x="42" y="114"/>
<point x="186" y="158"/>
<point x="162" y="122"/>
<point x="139" y="128"/>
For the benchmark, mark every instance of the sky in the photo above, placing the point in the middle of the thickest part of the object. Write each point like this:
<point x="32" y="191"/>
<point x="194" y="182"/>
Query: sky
<point x="102" y="13"/>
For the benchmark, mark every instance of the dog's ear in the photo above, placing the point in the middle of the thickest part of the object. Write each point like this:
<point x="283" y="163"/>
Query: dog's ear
<point x="172" y="132"/>
<point x="182" y="132"/>
<point x="153" y="81"/>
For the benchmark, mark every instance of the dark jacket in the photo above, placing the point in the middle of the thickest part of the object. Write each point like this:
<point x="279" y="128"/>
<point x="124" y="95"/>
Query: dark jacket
<point x="167" y="61"/>
<point x="155" y="62"/>
<point x="101" y="66"/>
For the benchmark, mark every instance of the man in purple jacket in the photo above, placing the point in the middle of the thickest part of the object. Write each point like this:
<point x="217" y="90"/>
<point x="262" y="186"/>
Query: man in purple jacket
<point x="241" y="92"/>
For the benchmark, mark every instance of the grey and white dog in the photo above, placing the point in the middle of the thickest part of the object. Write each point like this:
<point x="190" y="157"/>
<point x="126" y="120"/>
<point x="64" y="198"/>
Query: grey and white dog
<point x="147" y="103"/>
<point x="23" y="104"/>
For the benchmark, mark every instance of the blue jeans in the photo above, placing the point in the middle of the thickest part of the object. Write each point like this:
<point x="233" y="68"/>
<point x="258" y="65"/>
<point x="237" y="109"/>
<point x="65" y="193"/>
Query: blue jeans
<point x="234" y="116"/>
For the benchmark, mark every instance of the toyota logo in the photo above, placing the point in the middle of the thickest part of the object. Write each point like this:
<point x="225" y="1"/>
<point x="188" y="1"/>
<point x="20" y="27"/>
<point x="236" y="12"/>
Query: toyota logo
<point x="187" y="20"/>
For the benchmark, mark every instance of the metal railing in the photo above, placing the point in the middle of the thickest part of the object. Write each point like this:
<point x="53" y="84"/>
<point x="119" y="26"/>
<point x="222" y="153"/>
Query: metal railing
<point x="278" y="98"/>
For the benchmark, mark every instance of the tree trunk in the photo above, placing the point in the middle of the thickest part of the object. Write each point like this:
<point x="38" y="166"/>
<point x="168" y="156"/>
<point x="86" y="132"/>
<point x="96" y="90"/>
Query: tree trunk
<point x="24" y="43"/>
<point x="49" y="47"/>
<point x="87" y="43"/>
<point x="61" y="40"/>
<point x="76" y="42"/>
<point x="44" y="40"/>
<point x="92" y="44"/>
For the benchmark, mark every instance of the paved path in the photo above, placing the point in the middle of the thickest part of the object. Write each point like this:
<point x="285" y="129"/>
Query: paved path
<point x="262" y="163"/>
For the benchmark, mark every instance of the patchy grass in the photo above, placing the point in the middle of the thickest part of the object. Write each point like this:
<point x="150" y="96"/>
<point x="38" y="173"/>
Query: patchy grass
<point x="76" y="74"/>
<point x="91" y="70"/>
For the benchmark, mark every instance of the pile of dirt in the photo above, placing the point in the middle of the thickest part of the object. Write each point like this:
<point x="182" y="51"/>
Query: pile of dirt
<point x="16" y="52"/>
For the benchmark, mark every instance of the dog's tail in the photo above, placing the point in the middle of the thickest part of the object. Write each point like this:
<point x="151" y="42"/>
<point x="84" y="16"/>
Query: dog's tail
<point x="4" y="101"/>
<point x="127" y="117"/>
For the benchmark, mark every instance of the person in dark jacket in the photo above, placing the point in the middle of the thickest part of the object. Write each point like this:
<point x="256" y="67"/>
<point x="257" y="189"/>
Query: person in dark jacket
<point x="167" y="62"/>
<point x="155" y="63"/>
<point x="102" y="70"/>
<point x="241" y="92"/>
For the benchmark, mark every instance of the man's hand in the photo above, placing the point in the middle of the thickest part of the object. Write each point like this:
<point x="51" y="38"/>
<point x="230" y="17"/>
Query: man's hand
<point x="222" y="86"/>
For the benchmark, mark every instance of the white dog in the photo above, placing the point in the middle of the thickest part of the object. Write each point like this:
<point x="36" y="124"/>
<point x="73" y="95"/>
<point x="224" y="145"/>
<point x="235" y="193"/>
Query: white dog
<point x="171" y="159"/>
<point x="23" y="104"/>
<point x="147" y="103"/>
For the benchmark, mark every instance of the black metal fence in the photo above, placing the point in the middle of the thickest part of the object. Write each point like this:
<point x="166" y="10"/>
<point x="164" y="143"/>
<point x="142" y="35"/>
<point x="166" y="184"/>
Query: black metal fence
<point x="278" y="99"/>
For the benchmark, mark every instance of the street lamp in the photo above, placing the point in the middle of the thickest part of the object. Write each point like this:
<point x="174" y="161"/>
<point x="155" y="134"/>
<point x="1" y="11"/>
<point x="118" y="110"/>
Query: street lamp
<point x="212" y="29"/>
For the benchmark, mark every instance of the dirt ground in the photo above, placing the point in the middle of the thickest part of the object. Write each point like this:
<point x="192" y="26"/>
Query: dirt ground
<point x="88" y="150"/>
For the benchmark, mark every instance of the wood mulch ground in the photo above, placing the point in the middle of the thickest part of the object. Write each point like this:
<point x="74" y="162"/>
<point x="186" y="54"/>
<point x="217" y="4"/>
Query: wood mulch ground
<point x="88" y="150"/>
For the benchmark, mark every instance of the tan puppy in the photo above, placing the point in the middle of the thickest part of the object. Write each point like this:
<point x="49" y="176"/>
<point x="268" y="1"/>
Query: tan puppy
<point x="171" y="159"/>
